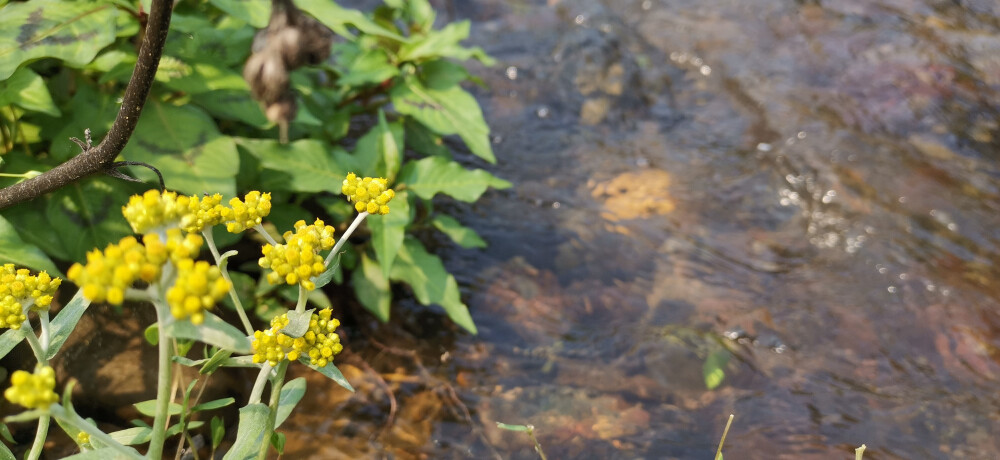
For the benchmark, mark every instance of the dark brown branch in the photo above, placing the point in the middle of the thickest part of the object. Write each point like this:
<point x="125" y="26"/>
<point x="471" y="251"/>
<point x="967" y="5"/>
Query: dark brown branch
<point x="100" y="158"/>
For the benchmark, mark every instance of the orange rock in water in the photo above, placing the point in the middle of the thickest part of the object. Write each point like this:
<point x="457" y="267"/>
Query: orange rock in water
<point x="635" y="195"/>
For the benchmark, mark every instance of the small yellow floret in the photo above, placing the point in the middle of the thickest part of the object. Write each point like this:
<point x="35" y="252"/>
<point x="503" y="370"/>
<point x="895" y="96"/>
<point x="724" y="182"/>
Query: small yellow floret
<point x="297" y="261"/>
<point x="369" y="194"/>
<point x="320" y="342"/>
<point x="33" y="391"/>
<point x="19" y="290"/>
<point x="198" y="287"/>
<point x="249" y="212"/>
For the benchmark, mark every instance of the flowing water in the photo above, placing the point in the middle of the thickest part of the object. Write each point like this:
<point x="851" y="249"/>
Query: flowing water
<point x="800" y="194"/>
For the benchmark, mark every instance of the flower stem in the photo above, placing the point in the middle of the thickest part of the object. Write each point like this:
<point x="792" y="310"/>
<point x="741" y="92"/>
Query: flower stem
<point x="344" y="237"/>
<point x="163" y="391"/>
<point x="300" y="306"/>
<point x="36" y="347"/>
<point x="40" y="434"/>
<point x="43" y="335"/>
<point x="267" y="236"/>
<point x="71" y="418"/>
<point x="258" y="385"/>
<point x="276" y="383"/>
<point x="210" y="239"/>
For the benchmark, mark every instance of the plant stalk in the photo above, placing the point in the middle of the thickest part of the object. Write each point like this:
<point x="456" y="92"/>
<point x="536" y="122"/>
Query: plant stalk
<point x="41" y="433"/>
<point x="258" y="385"/>
<point x="276" y="383"/>
<point x="73" y="419"/>
<point x="163" y="390"/>
<point x="210" y="239"/>
<point x="344" y="237"/>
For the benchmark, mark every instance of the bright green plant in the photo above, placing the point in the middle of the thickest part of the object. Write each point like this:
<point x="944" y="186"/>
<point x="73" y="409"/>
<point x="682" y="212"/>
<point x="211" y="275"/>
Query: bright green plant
<point x="62" y="68"/>
<point x="159" y="268"/>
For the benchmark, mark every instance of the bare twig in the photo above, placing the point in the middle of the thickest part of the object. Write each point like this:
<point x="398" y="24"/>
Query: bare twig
<point x="101" y="157"/>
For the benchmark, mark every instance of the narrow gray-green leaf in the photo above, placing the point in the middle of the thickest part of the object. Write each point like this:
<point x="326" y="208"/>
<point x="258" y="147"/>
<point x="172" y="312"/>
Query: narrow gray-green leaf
<point x="433" y="175"/>
<point x="214" y="331"/>
<point x="250" y="434"/>
<point x="331" y="371"/>
<point x="298" y="323"/>
<point x="5" y="453"/>
<point x="148" y="408"/>
<point x="132" y="436"/>
<point x="216" y="404"/>
<point x="9" y="339"/>
<point x="65" y="322"/>
<point x="291" y="393"/>
<point x="464" y="236"/>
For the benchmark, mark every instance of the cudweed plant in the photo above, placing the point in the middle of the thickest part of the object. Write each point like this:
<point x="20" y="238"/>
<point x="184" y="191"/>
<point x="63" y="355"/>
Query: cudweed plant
<point x="158" y="268"/>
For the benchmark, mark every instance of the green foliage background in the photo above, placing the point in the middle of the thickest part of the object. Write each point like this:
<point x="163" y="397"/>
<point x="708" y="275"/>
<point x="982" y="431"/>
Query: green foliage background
<point x="64" y="65"/>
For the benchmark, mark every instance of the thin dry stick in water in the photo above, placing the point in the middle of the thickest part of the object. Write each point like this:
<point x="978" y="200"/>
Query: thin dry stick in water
<point x="718" y="453"/>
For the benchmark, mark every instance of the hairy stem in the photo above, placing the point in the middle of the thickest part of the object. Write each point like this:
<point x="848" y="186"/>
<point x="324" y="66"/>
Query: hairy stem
<point x="98" y="158"/>
<point x="163" y="390"/>
<point x="258" y="385"/>
<point x="276" y="383"/>
<point x="40" y="434"/>
<point x="344" y="237"/>
<point x="210" y="239"/>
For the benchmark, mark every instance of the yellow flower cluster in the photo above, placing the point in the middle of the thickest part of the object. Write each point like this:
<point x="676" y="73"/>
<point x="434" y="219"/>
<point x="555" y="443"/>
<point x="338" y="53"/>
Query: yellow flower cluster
<point x="33" y="391"/>
<point x="248" y="212"/>
<point x="298" y="260"/>
<point x="107" y="274"/>
<point x="154" y="210"/>
<point x="370" y="194"/>
<point x="20" y="289"/>
<point x="83" y="438"/>
<point x="320" y="342"/>
<point x="199" y="285"/>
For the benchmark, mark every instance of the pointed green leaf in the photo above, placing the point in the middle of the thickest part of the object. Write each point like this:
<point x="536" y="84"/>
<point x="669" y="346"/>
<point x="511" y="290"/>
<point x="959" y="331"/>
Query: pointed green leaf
<point x="430" y="282"/>
<point x="433" y="175"/>
<point x="390" y="144"/>
<point x="435" y="43"/>
<point x="132" y="436"/>
<point x="388" y="230"/>
<point x="442" y="74"/>
<point x="148" y="408"/>
<point x="216" y="404"/>
<point x="152" y="335"/>
<point x="254" y="12"/>
<point x="291" y="393"/>
<point x="368" y="67"/>
<point x="215" y="361"/>
<point x="218" y="428"/>
<point x="298" y="323"/>
<point x="200" y="78"/>
<point x="72" y="31"/>
<point x="331" y="371"/>
<point x="302" y="166"/>
<point x="214" y="331"/>
<point x="103" y="453"/>
<point x="27" y="90"/>
<point x="250" y="434"/>
<point x="372" y="288"/>
<point x="65" y="322"/>
<point x="446" y="111"/>
<point x="464" y="236"/>
<point x="185" y="145"/>
<point x="13" y="250"/>
<point x="5" y="453"/>
<point x="423" y="140"/>
<point x="278" y="442"/>
<point x="337" y="18"/>
<point x="9" y="339"/>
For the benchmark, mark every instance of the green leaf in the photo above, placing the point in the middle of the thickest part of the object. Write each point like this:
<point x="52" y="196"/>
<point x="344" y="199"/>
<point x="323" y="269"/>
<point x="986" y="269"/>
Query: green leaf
<point x="88" y="109"/>
<point x="331" y="371"/>
<point x="442" y="74"/>
<point x="301" y="166"/>
<point x="203" y="78"/>
<point x="432" y="175"/>
<point x="332" y="273"/>
<point x="5" y="434"/>
<point x="445" y="111"/>
<point x="215" y="361"/>
<point x="388" y="230"/>
<point x="152" y="335"/>
<point x="372" y="288"/>
<point x="13" y="250"/>
<point x="148" y="408"/>
<point x="5" y="453"/>
<point x="9" y="339"/>
<point x="25" y="416"/>
<point x="87" y="214"/>
<point x="250" y="434"/>
<point x="218" y="431"/>
<point x="71" y="31"/>
<point x="390" y="144"/>
<point x="431" y="283"/>
<point x="26" y="89"/>
<point x="464" y="236"/>
<point x="184" y="143"/>
<point x="216" y="404"/>
<point x="368" y="67"/>
<point x="103" y="453"/>
<point x="65" y="322"/>
<point x="714" y="368"/>
<point x="421" y="14"/>
<point x="291" y="393"/>
<point x="278" y="442"/>
<point x="232" y="105"/>
<point x="423" y="140"/>
<point x="298" y="323"/>
<point x="254" y="12"/>
<point x="337" y="18"/>
<point x="227" y="41"/>
<point x="132" y="436"/>
<point x="436" y="42"/>
<point x="518" y="428"/>
<point x="214" y="331"/>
